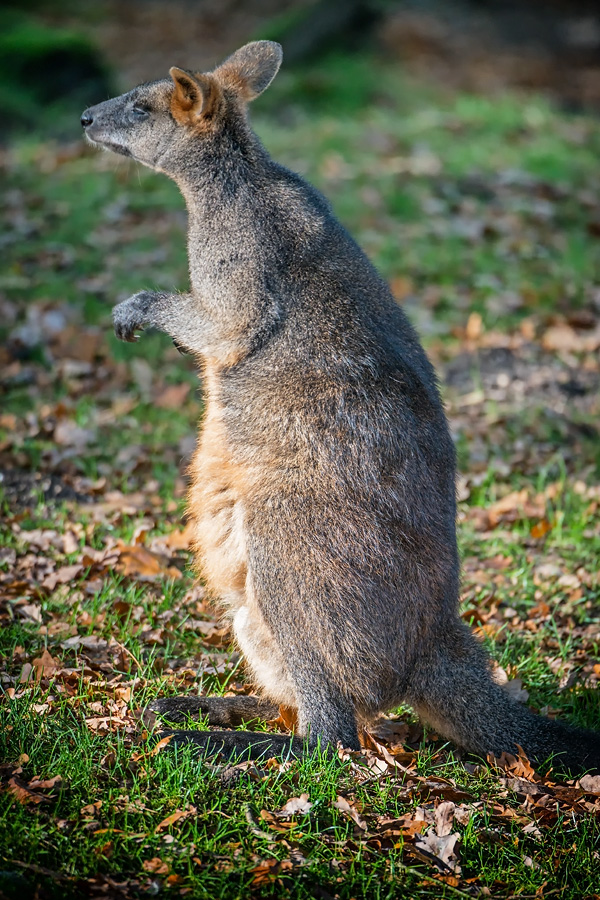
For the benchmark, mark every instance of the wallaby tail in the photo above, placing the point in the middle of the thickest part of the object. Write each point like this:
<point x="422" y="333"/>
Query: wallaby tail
<point x="453" y="691"/>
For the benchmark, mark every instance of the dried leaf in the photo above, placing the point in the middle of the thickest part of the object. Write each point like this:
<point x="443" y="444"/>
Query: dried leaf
<point x="442" y="849"/>
<point x="179" y="538"/>
<point x="444" y="817"/>
<point x="287" y="720"/>
<point x="45" y="665"/>
<point x="140" y="563"/>
<point x="350" y="810"/>
<point x="173" y="396"/>
<point x="32" y="611"/>
<point x="45" y="784"/>
<point x="23" y="792"/>
<point x="156" y="866"/>
<point x="161" y="745"/>
<point x="175" y="817"/>
<point x="519" y="766"/>
<point x="295" y="805"/>
<point x="590" y="784"/>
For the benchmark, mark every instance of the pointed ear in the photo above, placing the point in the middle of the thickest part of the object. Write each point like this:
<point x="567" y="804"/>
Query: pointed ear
<point x="251" y="69"/>
<point x="195" y="97"/>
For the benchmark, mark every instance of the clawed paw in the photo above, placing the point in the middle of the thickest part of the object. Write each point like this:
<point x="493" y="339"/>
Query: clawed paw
<point x="132" y="315"/>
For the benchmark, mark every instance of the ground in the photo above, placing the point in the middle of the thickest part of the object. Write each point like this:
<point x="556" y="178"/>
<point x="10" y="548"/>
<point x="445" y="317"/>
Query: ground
<point x="484" y="213"/>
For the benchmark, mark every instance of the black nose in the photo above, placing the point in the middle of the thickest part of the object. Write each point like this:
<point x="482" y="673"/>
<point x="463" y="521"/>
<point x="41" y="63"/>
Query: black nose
<point x="87" y="118"/>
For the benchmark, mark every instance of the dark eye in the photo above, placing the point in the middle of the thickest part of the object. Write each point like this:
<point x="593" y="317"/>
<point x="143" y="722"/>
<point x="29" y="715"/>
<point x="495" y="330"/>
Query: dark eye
<point x="141" y="112"/>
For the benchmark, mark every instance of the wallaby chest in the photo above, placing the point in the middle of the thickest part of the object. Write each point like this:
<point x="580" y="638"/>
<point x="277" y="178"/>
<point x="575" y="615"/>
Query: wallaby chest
<point x="218" y="496"/>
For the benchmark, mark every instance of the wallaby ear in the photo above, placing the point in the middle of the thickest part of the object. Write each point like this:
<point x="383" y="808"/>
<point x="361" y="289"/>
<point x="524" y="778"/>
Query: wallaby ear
<point x="251" y="69"/>
<point x="195" y="96"/>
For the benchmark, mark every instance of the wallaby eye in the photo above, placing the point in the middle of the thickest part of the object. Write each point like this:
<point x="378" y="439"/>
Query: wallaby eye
<point x="141" y="112"/>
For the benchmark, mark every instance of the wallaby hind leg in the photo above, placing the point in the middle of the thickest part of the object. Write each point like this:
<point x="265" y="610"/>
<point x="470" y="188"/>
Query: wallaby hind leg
<point x="241" y="744"/>
<point x="229" y="712"/>
<point x="224" y="712"/>
<point x="325" y="715"/>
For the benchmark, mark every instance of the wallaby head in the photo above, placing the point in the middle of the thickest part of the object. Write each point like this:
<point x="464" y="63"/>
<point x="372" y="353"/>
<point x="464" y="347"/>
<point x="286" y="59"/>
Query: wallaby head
<point x="162" y="122"/>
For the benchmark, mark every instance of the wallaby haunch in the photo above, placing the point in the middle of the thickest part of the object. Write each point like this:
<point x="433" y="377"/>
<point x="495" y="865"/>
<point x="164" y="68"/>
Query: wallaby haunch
<point x="323" y="486"/>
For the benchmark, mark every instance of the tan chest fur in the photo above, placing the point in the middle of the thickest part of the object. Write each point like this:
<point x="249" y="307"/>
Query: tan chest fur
<point x="218" y="490"/>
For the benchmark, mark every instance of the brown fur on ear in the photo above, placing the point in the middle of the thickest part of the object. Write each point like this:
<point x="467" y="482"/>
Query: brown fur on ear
<point x="195" y="98"/>
<point x="251" y="69"/>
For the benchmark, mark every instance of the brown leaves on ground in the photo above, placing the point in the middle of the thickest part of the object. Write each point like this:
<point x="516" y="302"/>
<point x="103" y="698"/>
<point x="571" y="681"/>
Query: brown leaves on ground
<point x="497" y="384"/>
<point x="45" y="665"/>
<point x="429" y="833"/>
<point x="29" y="792"/>
<point x="38" y="570"/>
<point x="295" y="806"/>
<point x="176" y="816"/>
<point x="142" y="564"/>
<point x="349" y="809"/>
<point x="156" y="866"/>
<point x="439" y="843"/>
<point x="287" y="720"/>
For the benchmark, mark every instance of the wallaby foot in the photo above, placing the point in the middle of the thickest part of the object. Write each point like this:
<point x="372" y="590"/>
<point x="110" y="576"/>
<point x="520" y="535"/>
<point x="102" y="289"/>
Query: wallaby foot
<point x="224" y="712"/>
<point x="240" y="744"/>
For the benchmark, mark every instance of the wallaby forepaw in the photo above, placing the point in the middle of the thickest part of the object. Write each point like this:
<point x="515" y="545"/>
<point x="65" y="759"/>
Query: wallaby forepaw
<point x="132" y="315"/>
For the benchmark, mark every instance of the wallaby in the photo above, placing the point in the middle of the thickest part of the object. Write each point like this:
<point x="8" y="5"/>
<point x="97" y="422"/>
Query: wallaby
<point x="323" y="486"/>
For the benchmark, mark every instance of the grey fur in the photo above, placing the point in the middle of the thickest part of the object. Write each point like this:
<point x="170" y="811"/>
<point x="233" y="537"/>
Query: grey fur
<point x="331" y="421"/>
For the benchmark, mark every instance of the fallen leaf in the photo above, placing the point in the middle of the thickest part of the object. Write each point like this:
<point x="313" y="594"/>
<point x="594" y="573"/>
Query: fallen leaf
<point x="23" y="793"/>
<point x="31" y="611"/>
<point x="175" y="817"/>
<point x="441" y="849"/>
<point x="45" y="665"/>
<point x="268" y="870"/>
<point x="392" y="731"/>
<point x="474" y="326"/>
<point x="287" y="720"/>
<point x="301" y="805"/>
<point x="68" y="434"/>
<point x="514" y="687"/>
<point x="590" y="784"/>
<point x="64" y="575"/>
<point x="444" y="817"/>
<point x="45" y="784"/>
<point x="350" y="810"/>
<point x="161" y="744"/>
<point x="519" y="766"/>
<point x="91" y="809"/>
<point x="155" y="865"/>
<point x="540" y="529"/>
<point x="179" y="538"/>
<point x="138" y="562"/>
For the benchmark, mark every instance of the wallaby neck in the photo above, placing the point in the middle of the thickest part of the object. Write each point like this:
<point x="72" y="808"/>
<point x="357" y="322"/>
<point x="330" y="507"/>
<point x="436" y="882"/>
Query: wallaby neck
<point x="226" y="245"/>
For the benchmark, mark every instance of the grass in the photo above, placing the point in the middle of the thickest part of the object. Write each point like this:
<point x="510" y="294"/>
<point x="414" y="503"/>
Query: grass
<point x="467" y="204"/>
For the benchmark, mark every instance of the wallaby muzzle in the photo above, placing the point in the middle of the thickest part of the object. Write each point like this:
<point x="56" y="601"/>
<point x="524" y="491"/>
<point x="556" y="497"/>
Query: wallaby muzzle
<point x="99" y="126"/>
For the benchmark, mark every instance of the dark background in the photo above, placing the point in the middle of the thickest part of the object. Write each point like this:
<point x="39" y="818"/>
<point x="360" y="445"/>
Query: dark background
<point x="52" y="53"/>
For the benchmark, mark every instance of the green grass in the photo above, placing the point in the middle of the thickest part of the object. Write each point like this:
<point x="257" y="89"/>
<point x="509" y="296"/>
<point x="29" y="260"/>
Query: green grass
<point x="466" y="204"/>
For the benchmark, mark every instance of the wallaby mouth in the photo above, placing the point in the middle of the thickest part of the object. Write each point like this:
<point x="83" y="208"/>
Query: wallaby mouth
<point x="107" y="145"/>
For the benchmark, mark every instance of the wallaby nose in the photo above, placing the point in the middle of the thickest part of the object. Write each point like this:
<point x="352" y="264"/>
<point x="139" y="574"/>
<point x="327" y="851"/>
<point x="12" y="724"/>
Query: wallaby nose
<point x="86" y="118"/>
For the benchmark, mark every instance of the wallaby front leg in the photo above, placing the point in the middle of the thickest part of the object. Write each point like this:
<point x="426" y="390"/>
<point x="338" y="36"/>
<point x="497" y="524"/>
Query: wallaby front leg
<point x="178" y="315"/>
